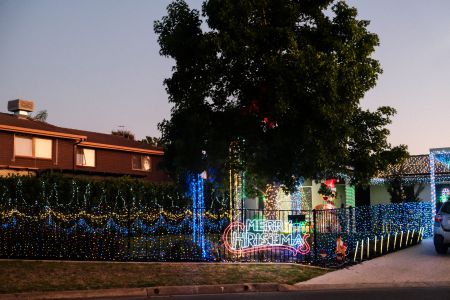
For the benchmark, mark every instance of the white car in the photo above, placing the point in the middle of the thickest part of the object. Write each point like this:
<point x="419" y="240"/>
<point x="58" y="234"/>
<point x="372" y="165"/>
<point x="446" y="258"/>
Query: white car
<point x="442" y="229"/>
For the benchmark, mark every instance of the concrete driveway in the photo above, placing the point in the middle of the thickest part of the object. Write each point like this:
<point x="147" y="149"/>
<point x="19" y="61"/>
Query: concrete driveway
<point x="418" y="264"/>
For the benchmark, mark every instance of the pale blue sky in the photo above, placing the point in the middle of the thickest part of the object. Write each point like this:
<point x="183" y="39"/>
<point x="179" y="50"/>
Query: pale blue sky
<point x="94" y="64"/>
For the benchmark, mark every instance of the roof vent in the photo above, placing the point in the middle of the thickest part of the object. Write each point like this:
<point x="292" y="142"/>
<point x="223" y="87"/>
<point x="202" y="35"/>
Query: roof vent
<point x="20" y="107"/>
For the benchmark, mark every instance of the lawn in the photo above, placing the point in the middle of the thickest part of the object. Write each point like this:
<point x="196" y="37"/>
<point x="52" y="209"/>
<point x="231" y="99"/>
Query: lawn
<point x="32" y="276"/>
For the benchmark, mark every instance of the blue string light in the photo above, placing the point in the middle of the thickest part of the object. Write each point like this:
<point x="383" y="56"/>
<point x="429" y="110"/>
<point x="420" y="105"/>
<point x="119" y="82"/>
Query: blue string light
<point x="360" y="223"/>
<point x="196" y="192"/>
<point x="296" y="197"/>
<point x="155" y="234"/>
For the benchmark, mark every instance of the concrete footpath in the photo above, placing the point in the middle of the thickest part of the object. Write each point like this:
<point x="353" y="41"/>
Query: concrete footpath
<point x="418" y="266"/>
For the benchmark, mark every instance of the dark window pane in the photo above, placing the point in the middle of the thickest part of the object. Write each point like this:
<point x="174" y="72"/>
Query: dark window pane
<point x="446" y="208"/>
<point x="136" y="162"/>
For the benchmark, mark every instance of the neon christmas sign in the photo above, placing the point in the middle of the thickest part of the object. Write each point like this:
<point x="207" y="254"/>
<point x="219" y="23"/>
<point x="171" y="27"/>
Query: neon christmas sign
<point x="260" y="235"/>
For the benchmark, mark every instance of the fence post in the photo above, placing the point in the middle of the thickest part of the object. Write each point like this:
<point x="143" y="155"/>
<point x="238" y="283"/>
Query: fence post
<point x="315" y="234"/>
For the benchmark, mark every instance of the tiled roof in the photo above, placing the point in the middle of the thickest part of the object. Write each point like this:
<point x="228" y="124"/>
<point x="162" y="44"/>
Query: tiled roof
<point x="415" y="165"/>
<point x="93" y="137"/>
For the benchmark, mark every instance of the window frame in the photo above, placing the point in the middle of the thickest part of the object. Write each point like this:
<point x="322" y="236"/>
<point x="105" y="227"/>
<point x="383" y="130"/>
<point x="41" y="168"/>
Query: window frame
<point x="33" y="147"/>
<point x="84" y="157"/>
<point x="141" y="156"/>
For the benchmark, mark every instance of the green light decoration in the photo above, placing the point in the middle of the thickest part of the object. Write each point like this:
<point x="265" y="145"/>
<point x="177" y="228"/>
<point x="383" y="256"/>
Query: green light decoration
<point x="445" y="194"/>
<point x="349" y="195"/>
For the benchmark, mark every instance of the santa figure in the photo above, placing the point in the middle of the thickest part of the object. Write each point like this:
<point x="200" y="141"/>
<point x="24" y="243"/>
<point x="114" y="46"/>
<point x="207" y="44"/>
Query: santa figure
<point x="341" y="249"/>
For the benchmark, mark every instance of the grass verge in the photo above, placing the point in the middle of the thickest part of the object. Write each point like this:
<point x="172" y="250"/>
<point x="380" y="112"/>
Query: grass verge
<point x="18" y="276"/>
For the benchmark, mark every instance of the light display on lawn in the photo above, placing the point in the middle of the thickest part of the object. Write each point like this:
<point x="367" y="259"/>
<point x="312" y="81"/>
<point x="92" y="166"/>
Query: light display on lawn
<point x="260" y="235"/>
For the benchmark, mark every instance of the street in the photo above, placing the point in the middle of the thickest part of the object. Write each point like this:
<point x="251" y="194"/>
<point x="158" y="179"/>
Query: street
<point x="422" y="293"/>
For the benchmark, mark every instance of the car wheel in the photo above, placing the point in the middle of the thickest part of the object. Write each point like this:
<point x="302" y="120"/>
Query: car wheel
<point x="439" y="245"/>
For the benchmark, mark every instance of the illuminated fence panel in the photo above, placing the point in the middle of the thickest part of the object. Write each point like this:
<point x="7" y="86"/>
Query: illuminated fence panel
<point x="164" y="236"/>
<point x="321" y="229"/>
<point x="367" y="222"/>
<point x="128" y="229"/>
<point x="151" y="236"/>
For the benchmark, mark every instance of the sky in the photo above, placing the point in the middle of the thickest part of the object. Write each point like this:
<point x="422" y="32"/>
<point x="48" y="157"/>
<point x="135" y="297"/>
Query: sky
<point x="95" y="64"/>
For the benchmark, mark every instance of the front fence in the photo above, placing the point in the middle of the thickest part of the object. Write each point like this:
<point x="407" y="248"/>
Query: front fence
<point x="158" y="235"/>
<point x="141" y="236"/>
<point x="371" y="230"/>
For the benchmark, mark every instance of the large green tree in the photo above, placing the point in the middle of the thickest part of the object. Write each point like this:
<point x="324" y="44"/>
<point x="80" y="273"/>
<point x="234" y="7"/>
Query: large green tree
<point x="282" y="80"/>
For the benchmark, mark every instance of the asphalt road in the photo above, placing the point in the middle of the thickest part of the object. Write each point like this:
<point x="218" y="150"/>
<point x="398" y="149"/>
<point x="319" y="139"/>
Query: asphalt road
<point x="422" y="293"/>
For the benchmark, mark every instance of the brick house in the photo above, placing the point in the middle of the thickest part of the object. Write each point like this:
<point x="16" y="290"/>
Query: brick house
<point x="28" y="146"/>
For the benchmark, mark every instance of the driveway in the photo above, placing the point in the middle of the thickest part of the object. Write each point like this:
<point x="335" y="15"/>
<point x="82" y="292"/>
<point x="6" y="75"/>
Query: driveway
<point x="418" y="264"/>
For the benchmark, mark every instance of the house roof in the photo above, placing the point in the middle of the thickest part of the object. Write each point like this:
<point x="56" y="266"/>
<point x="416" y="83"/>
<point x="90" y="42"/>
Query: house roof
<point x="415" y="165"/>
<point x="21" y="124"/>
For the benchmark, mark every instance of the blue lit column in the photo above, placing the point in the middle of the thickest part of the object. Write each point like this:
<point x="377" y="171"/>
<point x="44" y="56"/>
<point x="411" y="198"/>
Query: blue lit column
<point x="296" y="197"/>
<point x="432" y="184"/>
<point x="440" y="164"/>
<point x="196" y="186"/>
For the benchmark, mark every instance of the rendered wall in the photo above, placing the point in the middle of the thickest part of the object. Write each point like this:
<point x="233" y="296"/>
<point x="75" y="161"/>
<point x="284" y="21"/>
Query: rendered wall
<point x="425" y="195"/>
<point x="379" y="195"/>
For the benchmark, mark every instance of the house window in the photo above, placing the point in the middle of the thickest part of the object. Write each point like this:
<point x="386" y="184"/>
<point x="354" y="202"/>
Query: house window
<point x="32" y="147"/>
<point x="43" y="148"/>
<point x="141" y="162"/>
<point x="23" y="146"/>
<point x="85" y="157"/>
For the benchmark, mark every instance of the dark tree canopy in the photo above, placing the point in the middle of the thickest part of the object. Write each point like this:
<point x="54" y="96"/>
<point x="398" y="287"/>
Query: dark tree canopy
<point x="152" y="141"/>
<point x="283" y="79"/>
<point x="41" y="115"/>
<point x="125" y="133"/>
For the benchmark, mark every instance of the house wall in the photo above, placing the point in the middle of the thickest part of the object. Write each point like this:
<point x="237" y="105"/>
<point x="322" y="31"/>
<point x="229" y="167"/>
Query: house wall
<point x="62" y="155"/>
<point x="5" y="154"/>
<point x="379" y="195"/>
<point x="10" y="172"/>
<point x="63" y="158"/>
<point x="252" y="203"/>
<point x="340" y="195"/>
<point x="111" y="161"/>
<point x="316" y="198"/>
<point x="424" y="195"/>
